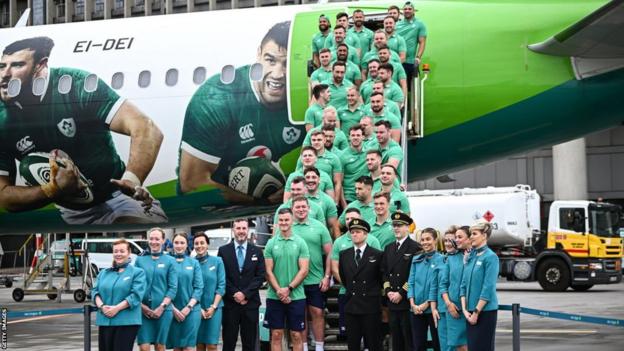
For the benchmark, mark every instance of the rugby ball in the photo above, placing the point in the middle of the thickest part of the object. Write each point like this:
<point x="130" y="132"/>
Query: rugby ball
<point x="34" y="170"/>
<point x="256" y="176"/>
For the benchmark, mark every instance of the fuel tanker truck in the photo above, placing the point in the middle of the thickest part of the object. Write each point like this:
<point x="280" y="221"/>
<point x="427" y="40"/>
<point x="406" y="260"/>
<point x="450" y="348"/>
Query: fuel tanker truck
<point x="579" y="248"/>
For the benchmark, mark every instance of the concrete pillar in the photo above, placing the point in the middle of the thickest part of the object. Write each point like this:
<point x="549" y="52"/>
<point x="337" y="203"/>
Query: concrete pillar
<point x="190" y="5"/>
<point x="50" y="11"/>
<point x="128" y="8"/>
<point x="108" y="9"/>
<point x="13" y="13"/>
<point x="168" y="7"/>
<point x="234" y="4"/>
<point x="88" y="9"/>
<point x="69" y="11"/>
<point x="257" y="3"/>
<point x="147" y="7"/>
<point x="570" y="170"/>
<point x="212" y="5"/>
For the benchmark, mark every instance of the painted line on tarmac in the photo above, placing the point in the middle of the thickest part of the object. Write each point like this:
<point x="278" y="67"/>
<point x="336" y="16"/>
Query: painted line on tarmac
<point x="550" y="331"/>
<point x="37" y="318"/>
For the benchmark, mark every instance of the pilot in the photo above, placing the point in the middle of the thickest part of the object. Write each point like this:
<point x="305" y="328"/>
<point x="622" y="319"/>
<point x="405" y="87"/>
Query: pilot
<point x="396" y="264"/>
<point x="79" y="123"/>
<point x="360" y="272"/>
<point x="225" y="123"/>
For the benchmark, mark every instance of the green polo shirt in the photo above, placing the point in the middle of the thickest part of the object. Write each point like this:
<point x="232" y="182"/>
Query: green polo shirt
<point x="393" y="92"/>
<point x="389" y="106"/>
<point x="411" y="30"/>
<point x="326" y="181"/>
<point x="316" y="212"/>
<point x="338" y="97"/>
<point x="370" y="143"/>
<point x="392" y="150"/>
<point x="352" y="55"/>
<point x="340" y="142"/>
<point x="327" y="162"/>
<point x="344" y="242"/>
<point x="314" y="115"/>
<point x="353" y="41"/>
<point x="366" y="89"/>
<point x="395" y="121"/>
<point x="318" y="41"/>
<point x="398" y="196"/>
<point x="327" y="204"/>
<point x="354" y="166"/>
<point x="372" y="54"/>
<point x="397" y="43"/>
<point x="365" y="36"/>
<point x="315" y="234"/>
<point x="349" y="118"/>
<point x="383" y="232"/>
<point x="285" y="253"/>
<point x="367" y="211"/>
<point x="377" y="185"/>
<point x="320" y="75"/>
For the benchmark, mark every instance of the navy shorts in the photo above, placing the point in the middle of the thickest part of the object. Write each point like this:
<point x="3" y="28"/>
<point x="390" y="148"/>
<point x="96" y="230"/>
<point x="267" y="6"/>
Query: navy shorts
<point x="277" y="312"/>
<point x="314" y="296"/>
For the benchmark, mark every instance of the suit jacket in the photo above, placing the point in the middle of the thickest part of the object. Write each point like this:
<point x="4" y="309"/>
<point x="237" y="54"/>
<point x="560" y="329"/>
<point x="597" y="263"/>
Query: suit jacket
<point x="396" y="268"/>
<point x="249" y="280"/>
<point x="363" y="282"/>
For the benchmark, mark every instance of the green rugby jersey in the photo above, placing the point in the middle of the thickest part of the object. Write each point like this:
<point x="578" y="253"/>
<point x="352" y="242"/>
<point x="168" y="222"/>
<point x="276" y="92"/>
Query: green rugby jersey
<point x="366" y="38"/>
<point x="349" y="118"/>
<point x="225" y="123"/>
<point x="76" y="122"/>
<point x="411" y="31"/>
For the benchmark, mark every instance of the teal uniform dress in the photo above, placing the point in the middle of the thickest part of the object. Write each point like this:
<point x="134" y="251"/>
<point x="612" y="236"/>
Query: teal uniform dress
<point x="419" y="287"/>
<point x="190" y="286"/>
<point x="113" y="287"/>
<point x="440" y="270"/>
<point x="162" y="281"/>
<point x="450" y="282"/>
<point x="213" y="273"/>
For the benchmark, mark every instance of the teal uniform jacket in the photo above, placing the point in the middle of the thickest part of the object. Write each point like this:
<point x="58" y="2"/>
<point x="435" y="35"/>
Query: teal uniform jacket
<point x="114" y="287"/>
<point x="162" y="281"/>
<point x="213" y="272"/>
<point x="421" y="277"/>
<point x="190" y="286"/>
<point x="450" y="283"/>
<point x="439" y="269"/>
<point x="479" y="279"/>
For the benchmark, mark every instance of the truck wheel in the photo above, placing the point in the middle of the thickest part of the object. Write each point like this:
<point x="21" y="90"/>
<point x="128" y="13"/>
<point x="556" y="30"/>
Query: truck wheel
<point x="18" y="294"/>
<point x="553" y="275"/>
<point x="8" y="283"/>
<point x="581" y="287"/>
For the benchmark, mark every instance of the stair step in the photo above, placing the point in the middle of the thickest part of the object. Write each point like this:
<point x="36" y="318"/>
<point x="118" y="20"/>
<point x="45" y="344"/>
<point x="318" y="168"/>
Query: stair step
<point x="332" y="331"/>
<point x="336" y="346"/>
<point x="332" y="315"/>
<point x="332" y="301"/>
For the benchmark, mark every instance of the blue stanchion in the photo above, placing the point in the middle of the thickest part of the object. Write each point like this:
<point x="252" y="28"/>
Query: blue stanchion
<point x="20" y="314"/>
<point x="567" y="316"/>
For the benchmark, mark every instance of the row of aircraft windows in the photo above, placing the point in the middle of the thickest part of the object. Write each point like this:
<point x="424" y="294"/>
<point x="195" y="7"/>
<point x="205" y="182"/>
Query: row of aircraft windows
<point x="228" y="74"/>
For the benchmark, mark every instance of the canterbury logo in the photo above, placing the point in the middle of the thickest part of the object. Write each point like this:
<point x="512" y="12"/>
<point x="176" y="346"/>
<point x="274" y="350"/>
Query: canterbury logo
<point x="245" y="131"/>
<point x="24" y="144"/>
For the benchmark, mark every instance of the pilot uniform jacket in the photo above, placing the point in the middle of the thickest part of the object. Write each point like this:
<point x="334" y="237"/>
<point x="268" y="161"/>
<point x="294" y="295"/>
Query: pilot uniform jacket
<point x="396" y="268"/>
<point x="248" y="281"/>
<point x="363" y="282"/>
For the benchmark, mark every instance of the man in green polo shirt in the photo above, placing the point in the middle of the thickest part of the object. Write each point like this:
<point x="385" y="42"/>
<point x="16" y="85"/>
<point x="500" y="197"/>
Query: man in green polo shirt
<point x="369" y="141"/>
<point x="308" y="159"/>
<point x="398" y="73"/>
<point x="398" y="200"/>
<point x="342" y="20"/>
<point x="380" y="39"/>
<point x="219" y="132"/>
<point x="353" y="159"/>
<point x="75" y="129"/>
<point x="287" y="260"/>
<point x="364" y="34"/>
<point x="351" y="114"/>
<point x="324" y="72"/>
<point x="338" y="85"/>
<point x="327" y="161"/>
<point x="342" y="243"/>
<point x="380" y="114"/>
<point x="316" y="283"/>
<point x="318" y="41"/>
<point x="391" y="151"/>
<point x="314" y="113"/>
<point x="339" y="38"/>
<point x="392" y="91"/>
<point x="366" y="89"/>
<point x="330" y="120"/>
<point x="395" y="42"/>
<point x="352" y="71"/>
<point x="381" y="228"/>
<point x="415" y="34"/>
<point x="364" y="200"/>
<point x="327" y="204"/>
<point x="389" y="106"/>
<point x="298" y="188"/>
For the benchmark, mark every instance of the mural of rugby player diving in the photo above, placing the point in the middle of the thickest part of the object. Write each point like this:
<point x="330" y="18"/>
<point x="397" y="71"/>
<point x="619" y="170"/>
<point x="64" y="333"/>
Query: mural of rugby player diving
<point x="199" y="117"/>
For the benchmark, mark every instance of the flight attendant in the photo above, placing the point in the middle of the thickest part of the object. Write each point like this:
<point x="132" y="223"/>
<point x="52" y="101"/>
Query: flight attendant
<point x="186" y="312"/>
<point x="453" y="322"/>
<point x="421" y="291"/>
<point x="478" y="290"/>
<point x="162" y="286"/>
<point x="117" y="294"/>
<point x="213" y="273"/>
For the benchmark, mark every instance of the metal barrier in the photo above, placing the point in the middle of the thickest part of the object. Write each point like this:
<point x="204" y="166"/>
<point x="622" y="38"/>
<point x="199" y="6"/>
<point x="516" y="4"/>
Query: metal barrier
<point x="514" y="308"/>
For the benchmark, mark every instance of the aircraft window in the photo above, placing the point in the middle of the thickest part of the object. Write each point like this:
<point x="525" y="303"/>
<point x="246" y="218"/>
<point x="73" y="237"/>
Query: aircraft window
<point x="14" y="87"/>
<point x="118" y="80"/>
<point x="144" y="79"/>
<point x="65" y="83"/>
<point x="199" y="75"/>
<point x="39" y="85"/>
<point x="227" y="74"/>
<point x="90" y="83"/>
<point x="171" y="77"/>
<point x="256" y="72"/>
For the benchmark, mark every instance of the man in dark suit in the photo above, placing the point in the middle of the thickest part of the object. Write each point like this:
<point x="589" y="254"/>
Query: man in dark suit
<point x="360" y="272"/>
<point x="396" y="263"/>
<point x="244" y="273"/>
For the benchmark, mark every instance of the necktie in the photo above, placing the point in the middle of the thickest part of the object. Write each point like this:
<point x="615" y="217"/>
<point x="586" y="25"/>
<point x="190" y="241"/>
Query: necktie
<point x="240" y="258"/>
<point x="358" y="256"/>
<point x="398" y="245"/>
